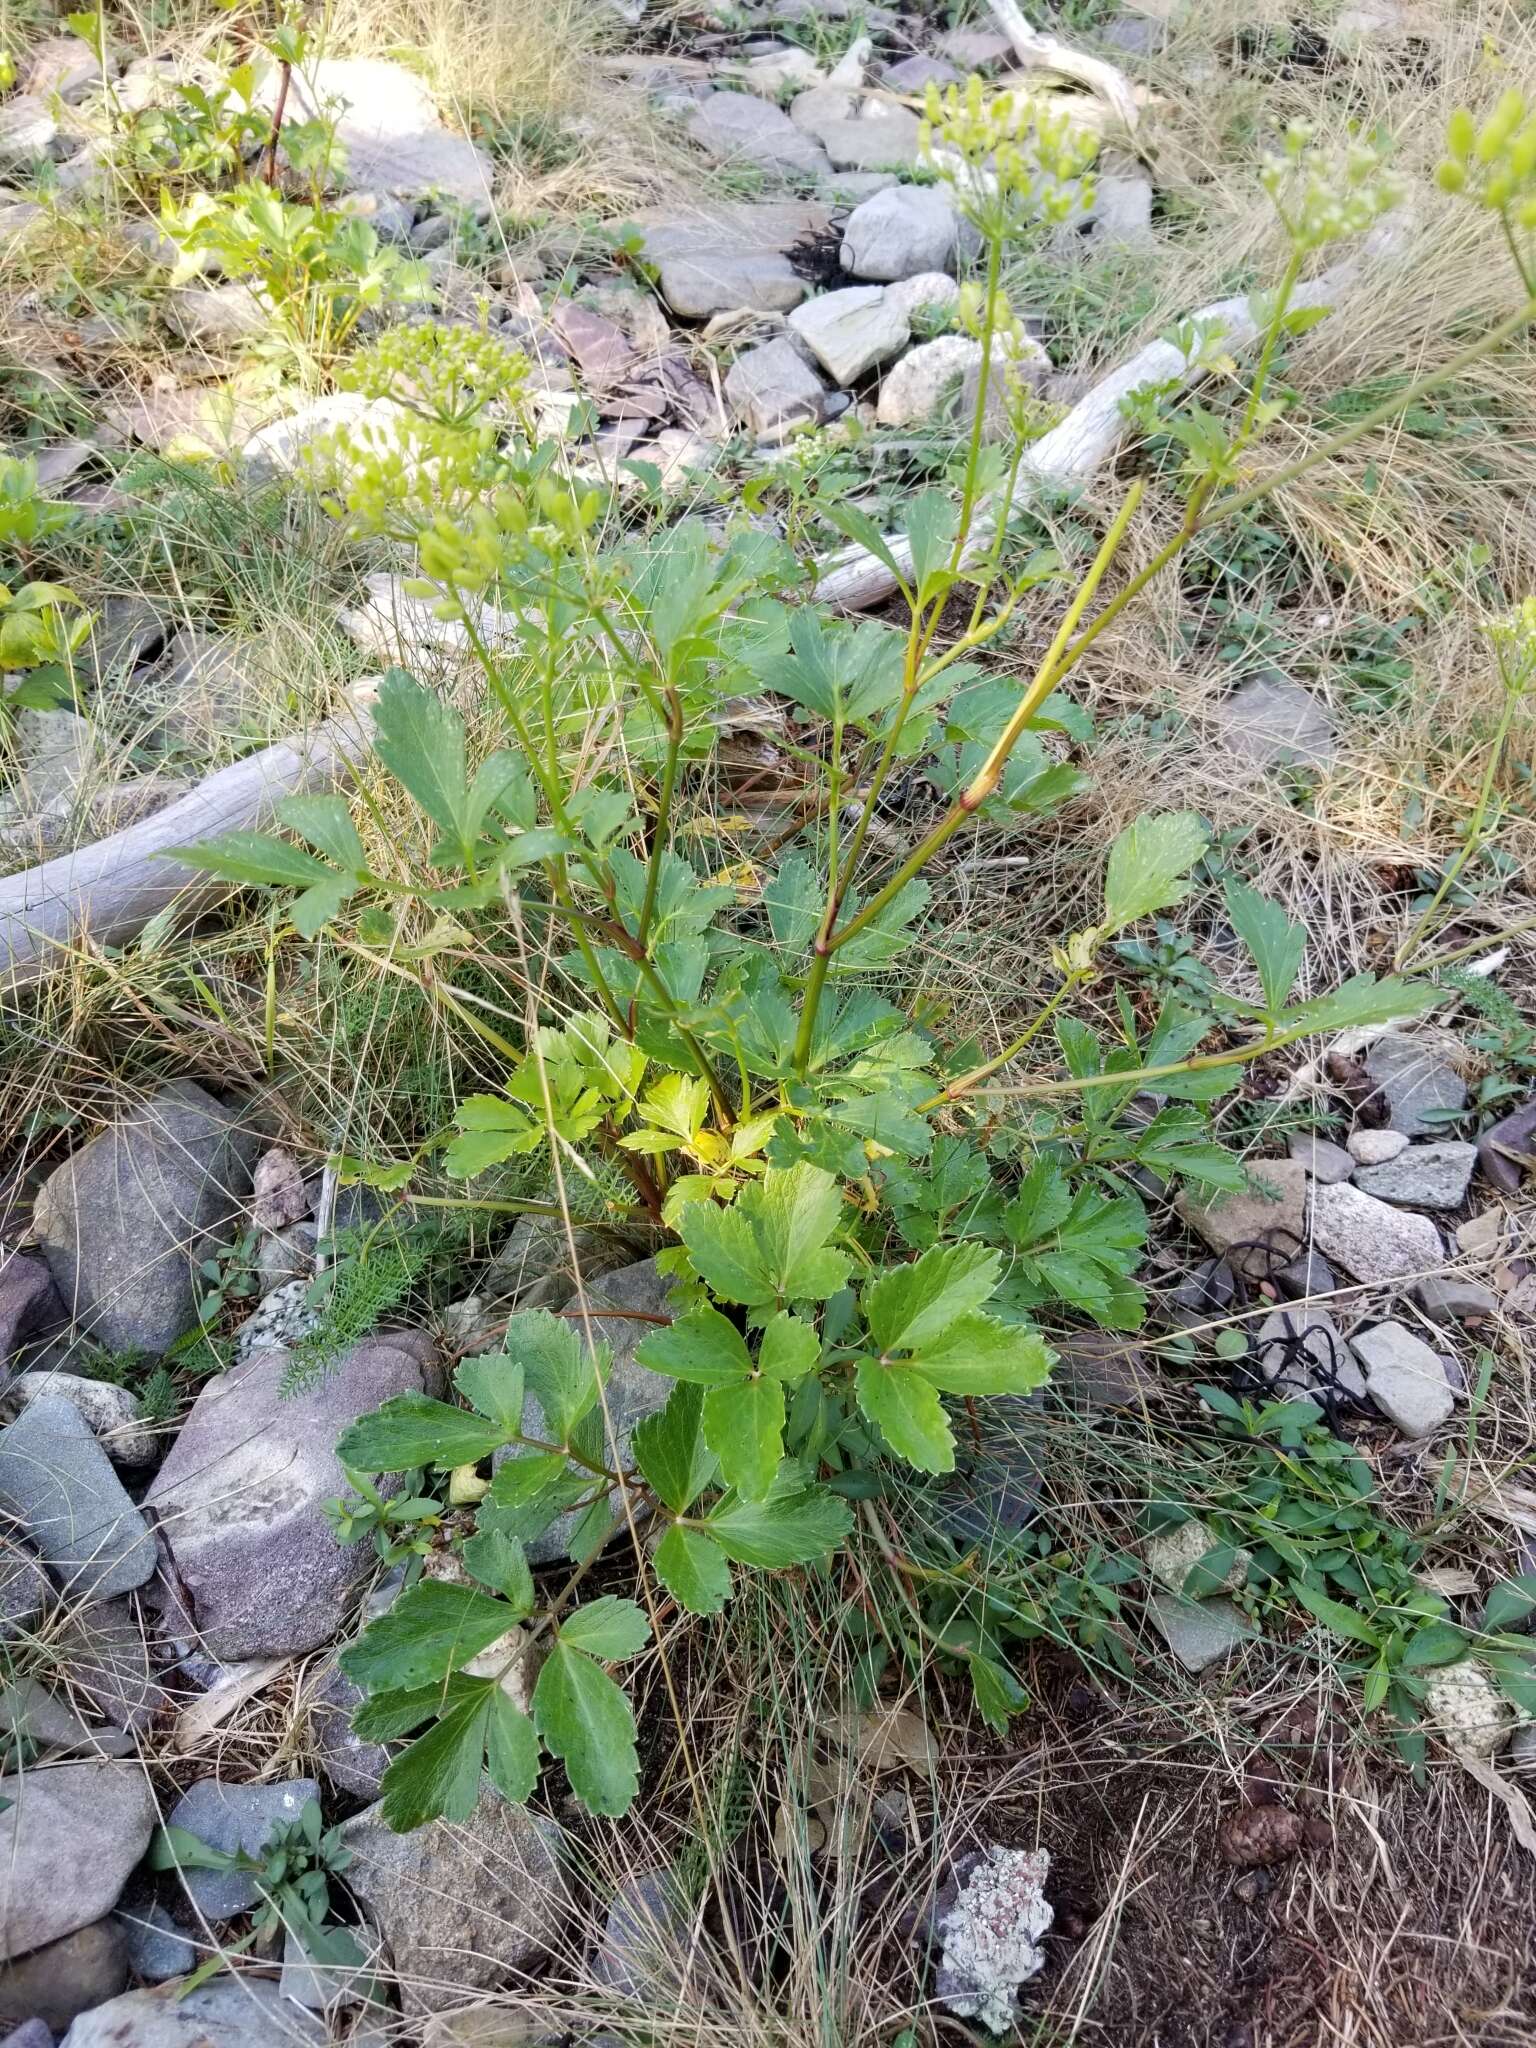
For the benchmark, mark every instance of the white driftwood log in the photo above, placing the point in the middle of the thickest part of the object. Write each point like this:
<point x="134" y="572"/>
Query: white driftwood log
<point x="1085" y="441"/>
<point x="111" y="889"/>
<point x="1039" y="52"/>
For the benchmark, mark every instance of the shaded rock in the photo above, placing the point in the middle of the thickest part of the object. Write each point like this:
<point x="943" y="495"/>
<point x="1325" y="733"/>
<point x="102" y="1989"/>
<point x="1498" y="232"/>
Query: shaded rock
<point x="903" y="231"/>
<point x="66" y="65"/>
<point x="1121" y="212"/>
<point x="632" y="1391"/>
<point x="1370" y="1239"/>
<point x="30" y="2034"/>
<point x="124" y="1221"/>
<point x="56" y="754"/>
<point x="231" y="2012"/>
<point x="534" y="1268"/>
<point x="241" y="1497"/>
<point x="1427" y="1176"/>
<point x="738" y="127"/>
<point x="286" y="1256"/>
<point x="38" y="1722"/>
<point x="646" y="1927"/>
<point x="24" y="1590"/>
<point x="1019" y="365"/>
<point x="157" y="1948"/>
<point x="773" y="388"/>
<point x="103" y="1653"/>
<point x="1375" y="1148"/>
<point x="231" y="1817"/>
<point x="1175" y="1554"/>
<point x="1322" y="1160"/>
<point x="1269" y="1217"/>
<point x="1415" y="1082"/>
<point x="1270" y="722"/>
<point x="352" y="1765"/>
<point x="1304" y="1357"/>
<point x="888" y="140"/>
<point x="994" y="1492"/>
<point x="915" y="74"/>
<point x="1306" y="1276"/>
<point x="849" y="331"/>
<point x="15" y="219"/>
<point x="600" y="351"/>
<point x="1404" y="1378"/>
<point x="28" y="133"/>
<point x="388" y="127"/>
<point x="57" y="1983"/>
<point x="59" y="1485"/>
<point x="214" y="316"/>
<point x="1095" y="1369"/>
<point x="1450" y="1298"/>
<point x="1505" y="1148"/>
<point x="110" y="1412"/>
<point x="461" y="1908"/>
<point x="29" y="1301"/>
<point x="927" y="381"/>
<point x="1208" y="1291"/>
<point x="1199" y="1632"/>
<point x="68" y="1840"/>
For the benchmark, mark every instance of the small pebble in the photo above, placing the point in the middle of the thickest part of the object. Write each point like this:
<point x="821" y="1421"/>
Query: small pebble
<point x="1375" y="1148"/>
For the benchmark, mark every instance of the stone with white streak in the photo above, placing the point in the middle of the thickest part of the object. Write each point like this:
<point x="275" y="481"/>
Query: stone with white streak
<point x="850" y="331"/>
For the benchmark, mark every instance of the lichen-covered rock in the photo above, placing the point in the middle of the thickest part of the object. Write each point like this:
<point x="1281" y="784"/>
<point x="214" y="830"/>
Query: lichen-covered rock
<point x="110" y="1412"/>
<point x="991" y="1934"/>
<point x="1174" y="1554"/>
<point x="1467" y="1710"/>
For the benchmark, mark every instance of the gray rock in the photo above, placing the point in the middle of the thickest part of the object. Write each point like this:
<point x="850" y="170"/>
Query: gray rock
<point x="282" y="447"/>
<point x="903" y="231"/>
<point x="231" y="2012"/>
<point x="57" y="1983"/>
<point x="535" y="1268"/>
<point x="38" y="1722"/>
<point x="68" y="1840"/>
<point x="1136" y="34"/>
<point x="1505" y="1147"/>
<point x="393" y="142"/>
<point x="241" y="1496"/>
<point x="231" y="1817"/>
<point x="1451" y="1298"/>
<point x="31" y="2033"/>
<point x="321" y="1987"/>
<point x="1271" y="722"/>
<point x="59" y="1485"/>
<point x="1306" y="1277"/>
<point x="700" y="284"/>
<point x="930" y="291"/>
<point x="286" y="1256"/>
<point x="350" y="1764"/>
<point x="1207" y="1292"/>
<point x="66" y="65"/>
<point x="1304" y="1356"/>
<point x="125" y="1220"/>
<point x="731" y="255"/>
<point x="1375" y="1148"/>
<point x="1426" y="1176"/>
<point x="917" y="389"/>
<point x="773" y="388"/>
<point x="1269" y="1215"/>
<point x="1199" y="1632"/>
<point x="109" y="1411"/>
<point x="1371" y="1240"/>
<point x="1405" y="1379"/>
<point x="28" y="133"/>
<point x="29" y="1301"/>
<point x="157" y="1948"/>
<point x="214" y="316"/>
<point x="1322" y="1160"/>
<point x="1482" y="1236"/>
<point x="25" y="1590"/>
<point x="16" y="217"/>
<point x="973" y="49"/>
<point x="740" y="128"/>
<point x="642" y="1936"/>
<point x="1415" y="1081"/>
<point x="916" y="74"/>
<point x="462" y="1908"/>
<point x="102" y="1651"/>
<point x="849" y="331"/>
<point x="1095" y="1369"/>
<point x="889" y="140"/>
<point x="1121" y="212"/>
<point x="632" y="1391"/>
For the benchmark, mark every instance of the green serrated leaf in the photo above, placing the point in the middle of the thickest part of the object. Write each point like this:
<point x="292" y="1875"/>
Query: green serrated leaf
<point x="790" y="1348"/>
<point x="671" y="1452"/>
<point x="584" y="1718"/>
<point x="511" y="1750"/>
<point x="607" y="1629"/>
<point x="420" y="740"/>
<point x="253" y="857"/>
<point x="412" y="1430"/>
<point x="794" y="1524"/>
<point x="744" y="1427"/>
<point x="1275" y="941"/>
<point x="563" y="1376"/>
<point x="493" y="1383"/>
<point x="438" y="1777"/>
<point x="326" y="823"/>
<point x="1149" y="866"/>
<point x="978" y="1355"/>
<point x="694" y="1569"/>
<point x="496" y="1560"/>
<point x="703" y="1346"/>
<point x="432" y="1629"/>
<point x="914" y="1303"/>
<point x="907" y="1411"/>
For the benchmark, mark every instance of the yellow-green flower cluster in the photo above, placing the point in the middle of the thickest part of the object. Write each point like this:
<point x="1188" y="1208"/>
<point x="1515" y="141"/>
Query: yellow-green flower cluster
<point x="1514" y="642"/>
<point x="1324" y="195"/>
<point x="1494" y="164"/>
<point x="391" y="479"/>
<point x="1009" y="157"/>
<point x="451" y="374"/>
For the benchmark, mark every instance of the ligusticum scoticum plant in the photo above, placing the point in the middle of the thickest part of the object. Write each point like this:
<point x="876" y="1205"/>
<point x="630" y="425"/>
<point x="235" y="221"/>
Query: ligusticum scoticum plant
<point x="866" y="1224"/>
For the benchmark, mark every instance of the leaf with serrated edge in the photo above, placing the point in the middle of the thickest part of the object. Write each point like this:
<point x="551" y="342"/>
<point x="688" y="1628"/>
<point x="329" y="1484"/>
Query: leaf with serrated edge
<point x="327" y="824"/>
<point x="607" y="1629"/>
<point x="977" y="1355"/>
<point x="694" y="1569"/>
<point x="744" y="1427"/>
<point x="413" y="1429"/>
<point x="907" y="1307"/>
<point x="432" y="1628"/>
<point x="584" y="1718"/>
<point x="420" y="740"/>
<point x="511" y="1750"/>
<point x="559" y="1371"/>
<point x="1275" y="941"/>
<point x="1149" y="866"/>
<point x="790" y="1348"/>
<point x="703" y="1346"/>
<point x="438" y="1777"/>
<point x="671" y="1452"/>
<point x="493" y="1383"/>
<point x="725" y="1253"/>
<point x="907" y="1411"/>
<point x="795" y="1523"/>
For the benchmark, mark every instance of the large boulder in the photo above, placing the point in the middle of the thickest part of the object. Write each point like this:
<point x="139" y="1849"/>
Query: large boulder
<point x="231" y="2012"/>
<point x="68" y="1840"/>
<point x="58" y="1983"/>
<point x="462" y="1908"/>
<point x="58" y="1484"/>
<point x="241" y="1497"/>
<point x="125" y="1220"/>
<point x="392" y="140"/>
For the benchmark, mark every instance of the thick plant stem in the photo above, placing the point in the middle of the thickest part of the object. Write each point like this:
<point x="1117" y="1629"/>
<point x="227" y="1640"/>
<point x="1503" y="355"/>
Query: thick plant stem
<point x="674" y="714"/>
